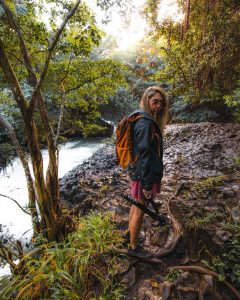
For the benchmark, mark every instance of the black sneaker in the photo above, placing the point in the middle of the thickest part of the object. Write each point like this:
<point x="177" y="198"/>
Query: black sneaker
<point x="138" y="252"/>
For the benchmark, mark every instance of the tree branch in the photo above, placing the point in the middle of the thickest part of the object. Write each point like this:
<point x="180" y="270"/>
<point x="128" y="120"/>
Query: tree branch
<point x="12" y="80"/>
<point x="65" y="75"/>
<point x="60" y="114"/>
<point x="46" y="64"/>
<point x="15" y="201"/>
<point x="23" y="47"/>
<point x="87" y="81"/>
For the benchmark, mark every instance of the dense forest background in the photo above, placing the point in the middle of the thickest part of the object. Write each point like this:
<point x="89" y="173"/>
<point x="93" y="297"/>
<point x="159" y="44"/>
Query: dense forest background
<point x="196" y="60"/>
<point x="65" y="78"/>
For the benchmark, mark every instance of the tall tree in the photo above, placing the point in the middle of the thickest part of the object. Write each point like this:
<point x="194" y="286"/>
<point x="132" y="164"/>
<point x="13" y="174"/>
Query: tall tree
<point x="186" y="17"/>
<point x="29" y="54"/>
<point x="204" y="66"/>
<point x="47" y="191"/>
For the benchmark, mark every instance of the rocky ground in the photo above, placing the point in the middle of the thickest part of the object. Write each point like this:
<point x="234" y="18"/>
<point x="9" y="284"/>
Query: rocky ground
<point x="200" y="194"/>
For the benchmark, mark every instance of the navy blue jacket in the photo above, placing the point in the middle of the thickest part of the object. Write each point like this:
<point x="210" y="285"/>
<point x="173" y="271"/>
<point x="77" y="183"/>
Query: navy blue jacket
<point x="148" y="146"/>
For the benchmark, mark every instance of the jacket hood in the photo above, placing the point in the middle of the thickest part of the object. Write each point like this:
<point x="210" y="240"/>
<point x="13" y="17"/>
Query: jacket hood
<point x="145" y="115"/>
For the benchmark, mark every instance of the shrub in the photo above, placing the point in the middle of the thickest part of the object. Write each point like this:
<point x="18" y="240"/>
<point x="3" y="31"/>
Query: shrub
<point x="82" y="267"/>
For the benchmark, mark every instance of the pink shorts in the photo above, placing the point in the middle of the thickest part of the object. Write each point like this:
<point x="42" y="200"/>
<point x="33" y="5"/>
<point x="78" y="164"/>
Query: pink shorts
<point x="136" y="190"/>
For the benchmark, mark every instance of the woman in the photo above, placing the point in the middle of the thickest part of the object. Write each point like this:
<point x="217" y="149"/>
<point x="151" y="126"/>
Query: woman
<point x="148" y="148"/>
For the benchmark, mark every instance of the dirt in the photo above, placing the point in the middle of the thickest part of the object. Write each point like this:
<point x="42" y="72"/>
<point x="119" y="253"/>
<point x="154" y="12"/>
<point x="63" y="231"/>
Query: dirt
<point x="201" y="163"/>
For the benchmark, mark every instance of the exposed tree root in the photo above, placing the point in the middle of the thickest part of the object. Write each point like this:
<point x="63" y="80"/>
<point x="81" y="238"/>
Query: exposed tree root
<point x="140" y="258"/>
<point x="170" y="249"/>
<point x="202" y="270"/>
<point x="177" y="229"/>
<point x="194" y="260"/>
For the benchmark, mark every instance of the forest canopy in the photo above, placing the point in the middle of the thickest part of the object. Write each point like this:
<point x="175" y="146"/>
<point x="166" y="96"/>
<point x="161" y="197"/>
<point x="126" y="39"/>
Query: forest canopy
<point x="201" y="52"/>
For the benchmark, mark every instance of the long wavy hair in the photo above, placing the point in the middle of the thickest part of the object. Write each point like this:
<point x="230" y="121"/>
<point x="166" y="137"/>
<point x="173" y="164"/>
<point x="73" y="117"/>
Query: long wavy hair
<point x="162" y="117"/>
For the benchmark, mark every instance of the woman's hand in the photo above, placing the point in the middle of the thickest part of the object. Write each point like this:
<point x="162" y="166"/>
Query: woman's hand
<point x="147" y="194"/>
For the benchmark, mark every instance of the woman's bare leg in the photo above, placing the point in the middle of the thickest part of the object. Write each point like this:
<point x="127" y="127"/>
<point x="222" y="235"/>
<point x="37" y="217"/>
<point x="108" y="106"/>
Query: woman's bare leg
<point x="131" y="213"/>
<point x="135" y="224"/>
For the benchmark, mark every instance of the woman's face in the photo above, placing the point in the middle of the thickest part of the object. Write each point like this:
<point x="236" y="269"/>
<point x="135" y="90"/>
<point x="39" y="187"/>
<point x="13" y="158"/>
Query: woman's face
<point x="156" y="103"/>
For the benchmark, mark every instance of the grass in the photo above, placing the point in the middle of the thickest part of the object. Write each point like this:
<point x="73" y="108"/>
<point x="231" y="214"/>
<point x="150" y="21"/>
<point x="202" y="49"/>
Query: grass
<point x="203" y="188"/>
<point x="82" y="267"/>
<point x="197" y="223"/>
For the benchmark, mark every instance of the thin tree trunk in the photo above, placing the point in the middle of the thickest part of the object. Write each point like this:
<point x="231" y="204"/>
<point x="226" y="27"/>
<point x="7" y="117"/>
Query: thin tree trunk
<point x="50" y="216"/>
<point x="52" y="171"/>
<point x="169" y="34"/>
<point x="186" y="19"/>
<point x="48" y="192"/>
<point x="30" y="182"/>
<point x="60" y="114"/>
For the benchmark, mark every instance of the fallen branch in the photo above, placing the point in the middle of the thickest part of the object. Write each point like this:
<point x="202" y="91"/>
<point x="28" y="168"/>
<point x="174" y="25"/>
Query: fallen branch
<point x="15" y="201"/>
<point x="202" y="270"/>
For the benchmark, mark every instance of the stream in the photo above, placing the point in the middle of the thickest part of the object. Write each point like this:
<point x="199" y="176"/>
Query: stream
<point x="13" y="184"/>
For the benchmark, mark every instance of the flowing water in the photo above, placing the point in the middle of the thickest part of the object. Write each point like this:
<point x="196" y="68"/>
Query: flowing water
<point x="13" y="184"/>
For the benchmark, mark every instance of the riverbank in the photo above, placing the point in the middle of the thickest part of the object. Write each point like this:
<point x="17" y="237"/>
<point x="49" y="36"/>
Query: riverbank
<point x="13" y="184"/>
<point x="204" y="160"/>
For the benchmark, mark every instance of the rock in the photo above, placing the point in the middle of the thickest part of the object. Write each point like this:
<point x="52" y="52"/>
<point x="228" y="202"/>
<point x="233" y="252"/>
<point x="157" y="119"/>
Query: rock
<point x="223" y="234"/>
<point x="187" y="279"/>
<point x="235" y="188"/>
<point x="165" y="290"/>
<point x="79" y="197"/>
<point x="228" y="192"/>
<point x="192" y="152"/>
<point x="236" y="214"/>
<point x="131" y="277"/>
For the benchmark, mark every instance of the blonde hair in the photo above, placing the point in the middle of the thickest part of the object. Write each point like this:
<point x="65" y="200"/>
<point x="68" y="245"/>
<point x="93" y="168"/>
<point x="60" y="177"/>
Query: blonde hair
<point x="162" y="118"/>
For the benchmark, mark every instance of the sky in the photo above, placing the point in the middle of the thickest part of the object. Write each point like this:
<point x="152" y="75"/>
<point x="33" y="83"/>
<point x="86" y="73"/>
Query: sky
<point x="128" y="36"/>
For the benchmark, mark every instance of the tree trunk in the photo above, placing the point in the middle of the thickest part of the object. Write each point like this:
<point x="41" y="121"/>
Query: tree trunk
<point x="50" y="214"/>
<point x="186" y="19"/>
<point x="30" y="182"/>
<point x="48" y="203"/>
<point x="169" y="34"/>
<point x="47" y="192"/>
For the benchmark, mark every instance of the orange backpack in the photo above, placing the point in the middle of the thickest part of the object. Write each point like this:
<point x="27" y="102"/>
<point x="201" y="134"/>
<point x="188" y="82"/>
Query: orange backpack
<point x="124" y="140"/>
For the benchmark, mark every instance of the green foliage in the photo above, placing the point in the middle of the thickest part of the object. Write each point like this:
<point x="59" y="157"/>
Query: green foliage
<point x="201" y="64"/>
<point x="197" y="223"/>
<point x="141" y="63"/>
<point x="84" y="84"/>
<point x="82" y="267"/>
<point x="173" y="274"/>
<point x="204" y="187"/>
<point x="7" y="153"/>
<point x="228" y="266"/>
<point x="122" y="103"/>
<point x="235" y="166"/>
<point x="93" y="130"/>
<point x="185" y="111"/>
<point x="76" y="78"/>
<point x="207" y="185"/>
<point x="233" y="100"/>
